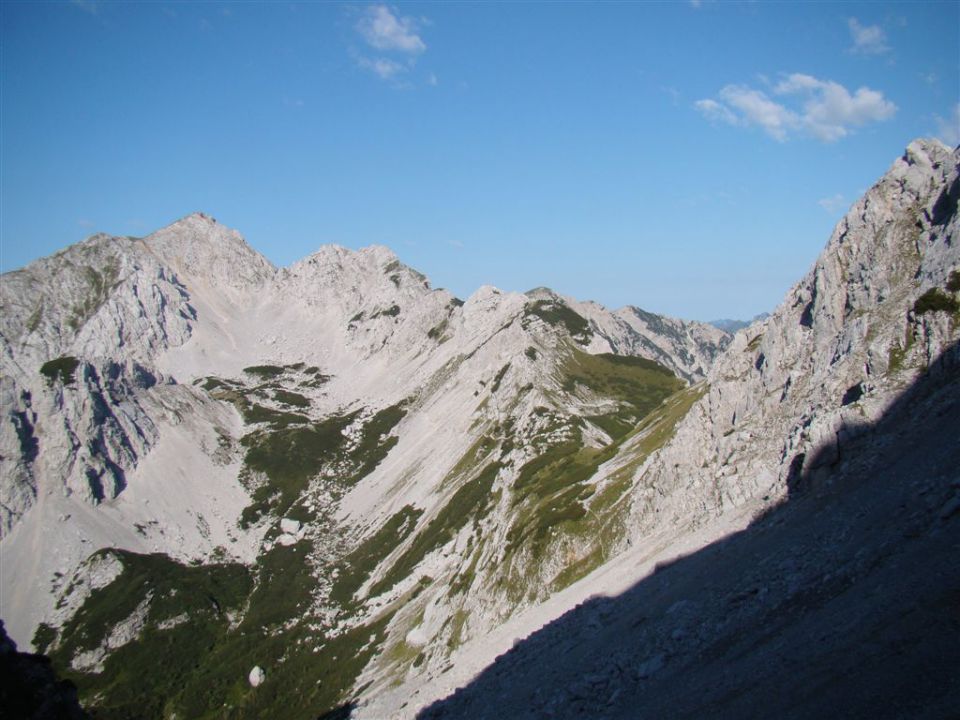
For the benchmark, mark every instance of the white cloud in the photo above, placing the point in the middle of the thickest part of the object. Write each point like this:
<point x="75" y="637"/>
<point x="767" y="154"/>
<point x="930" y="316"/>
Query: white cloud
<point x="795" y="83"/>
<point x="821" y="108"/>
<point x="833" y="204"/>
<point x="867" y="39"/>
<point x="695" y="3"/>
<point x="713" y="110"/>
<point x="758" y="109"/>
<point x="385" y="68"/>
<point x="829" y="110"/>
<point x="432" y="80"/>
<point x="948" y="131"/>
<point x="384" y="30"/>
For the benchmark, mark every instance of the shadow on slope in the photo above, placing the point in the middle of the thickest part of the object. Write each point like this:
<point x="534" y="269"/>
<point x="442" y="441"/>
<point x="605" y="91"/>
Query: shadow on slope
<point x="31" y="689"/>
<point x="843" y="601"/>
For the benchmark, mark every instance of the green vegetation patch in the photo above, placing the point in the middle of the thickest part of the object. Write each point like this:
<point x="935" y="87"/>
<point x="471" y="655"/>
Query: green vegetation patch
<point x="254" y="414"/>
<point x="264" y="372"/>
<point x="356" y="567"/>
<point x="658" y="427"/>
<point x="211" y="383"/>
<point x="559" y="314"/>
<point x="307" y="672"/>
<point x="318" y="379"/>
<point x="613" y="424"/>
<point x="898" y="354"/>
<point x="62" y="369"/>
<point x="438" y="331"/>
<point x="457" y="623"/>
<point x="553" y="498"/>
<point x="935" y="300"/>
<point x="100" y="284"/>
<point x="291" y="398"/>
<point x="289" y="457"/>
<point x="471" y="501"/>
<point x="139" y="677"/>
<point x="376" y="441"/>
<point x="198" y="666"/>
<point x="465" y="579"/>
<point x="637" y="384"/>
<point x="953" y="282"/>
<point x="391" y="311"/>
<point x="602" y="524"/>
<point x="33" y="322"/>
<point x="498" y="378"/>
<point x="472" y="459"/>
<point x="550" y="490"/>
<point x="293" y="450"/>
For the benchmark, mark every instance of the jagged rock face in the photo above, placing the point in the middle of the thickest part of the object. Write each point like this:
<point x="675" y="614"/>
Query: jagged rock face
<point x="793" y="388"/>
<point x="106" y="297"/>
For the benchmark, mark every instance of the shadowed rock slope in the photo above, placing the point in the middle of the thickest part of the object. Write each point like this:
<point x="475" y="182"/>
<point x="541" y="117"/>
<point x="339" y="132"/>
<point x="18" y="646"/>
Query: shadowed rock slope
<point x="841" y="601"/>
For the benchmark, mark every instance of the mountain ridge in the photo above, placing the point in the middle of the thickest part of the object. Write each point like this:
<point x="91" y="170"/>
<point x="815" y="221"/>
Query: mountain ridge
<point x="360" y="456"/>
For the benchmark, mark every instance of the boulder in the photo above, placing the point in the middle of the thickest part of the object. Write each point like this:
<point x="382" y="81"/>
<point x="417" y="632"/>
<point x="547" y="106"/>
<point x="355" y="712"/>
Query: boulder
<point x="256" y="676"/>
<point x="290" y="526"/>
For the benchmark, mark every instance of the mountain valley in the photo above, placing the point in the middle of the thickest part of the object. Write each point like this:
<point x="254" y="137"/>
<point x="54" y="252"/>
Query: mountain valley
<point x="234" y="490"/>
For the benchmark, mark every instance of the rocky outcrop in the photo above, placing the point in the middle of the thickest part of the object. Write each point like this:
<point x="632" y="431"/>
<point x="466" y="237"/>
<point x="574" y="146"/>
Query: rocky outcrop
<point x="791" y="390"/>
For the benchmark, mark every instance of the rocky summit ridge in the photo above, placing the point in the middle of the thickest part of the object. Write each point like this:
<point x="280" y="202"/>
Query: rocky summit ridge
<point x="367" y="488"/>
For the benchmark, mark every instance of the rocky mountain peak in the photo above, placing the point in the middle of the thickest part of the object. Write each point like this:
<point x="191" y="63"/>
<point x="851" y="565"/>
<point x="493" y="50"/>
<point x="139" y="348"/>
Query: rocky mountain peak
<point x="211" y="254"/>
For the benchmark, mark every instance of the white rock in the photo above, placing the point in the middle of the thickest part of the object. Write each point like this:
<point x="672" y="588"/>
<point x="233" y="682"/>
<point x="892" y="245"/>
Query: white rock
<point x="286" y="540"/>
<point x="256" y="676"/>
<point x="417" y="637"/>
<point x="290" y="526"/>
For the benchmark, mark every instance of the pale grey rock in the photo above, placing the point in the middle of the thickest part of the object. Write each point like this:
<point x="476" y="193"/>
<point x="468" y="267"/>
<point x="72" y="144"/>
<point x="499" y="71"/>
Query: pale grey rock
<point x="780" y="404"/>
<point x="290" y="526"/>
<point x="417" y="637"/>
<point x="287" y="540"/>
<point x="257" y="676"/>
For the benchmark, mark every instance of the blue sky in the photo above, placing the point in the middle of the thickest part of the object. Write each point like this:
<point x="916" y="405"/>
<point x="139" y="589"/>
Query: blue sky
<point x="689" y="158"/>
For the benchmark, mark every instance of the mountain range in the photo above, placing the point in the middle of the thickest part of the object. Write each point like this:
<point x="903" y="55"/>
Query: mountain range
<point x="234" y="490"/>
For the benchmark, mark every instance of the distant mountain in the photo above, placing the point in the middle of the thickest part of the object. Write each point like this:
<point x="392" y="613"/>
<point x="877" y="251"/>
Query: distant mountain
<point x="731" y="326"/>
<point x="332" y="488"/>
